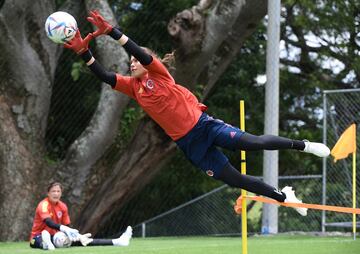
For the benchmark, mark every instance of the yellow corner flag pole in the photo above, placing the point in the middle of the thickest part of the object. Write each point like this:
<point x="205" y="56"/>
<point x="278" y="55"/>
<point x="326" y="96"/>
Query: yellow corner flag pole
<point x="243" y="192"/>
<point x="343" y="147"/>
<point x="354" y="187"/>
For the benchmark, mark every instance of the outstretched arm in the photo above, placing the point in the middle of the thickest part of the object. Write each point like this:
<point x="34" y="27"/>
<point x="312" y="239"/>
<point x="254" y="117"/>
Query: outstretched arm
<point x="130" y="46"/>
<point x="108" y="77"/>
<point x="81" y="47"/>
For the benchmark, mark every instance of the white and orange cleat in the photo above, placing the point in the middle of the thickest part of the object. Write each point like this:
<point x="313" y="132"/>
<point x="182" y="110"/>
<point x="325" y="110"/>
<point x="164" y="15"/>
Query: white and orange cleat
<point x="291" y="198"/>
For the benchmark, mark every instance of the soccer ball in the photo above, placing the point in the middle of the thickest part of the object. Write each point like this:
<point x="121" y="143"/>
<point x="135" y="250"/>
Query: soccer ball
<point x="61" y="240"/>
<point x="60" y="27"/>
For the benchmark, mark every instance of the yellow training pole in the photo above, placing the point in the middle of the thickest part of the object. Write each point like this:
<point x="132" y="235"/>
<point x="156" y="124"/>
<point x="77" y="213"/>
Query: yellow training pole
<point x="243" y="192"/>
<point x="354" y="192"/>
<point x="354" y="186"/>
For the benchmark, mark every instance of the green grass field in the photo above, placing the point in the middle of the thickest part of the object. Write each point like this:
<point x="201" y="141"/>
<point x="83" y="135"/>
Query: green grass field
<point x="210" y="245"/>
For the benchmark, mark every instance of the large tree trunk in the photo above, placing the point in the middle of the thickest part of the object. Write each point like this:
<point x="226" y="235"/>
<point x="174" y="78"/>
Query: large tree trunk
<point x="17" y="177"/>
<point x="87" y="150"/>
<point x="28" y="63"/>
<point x="148" y="151"/>
<point x="149" y="148"/>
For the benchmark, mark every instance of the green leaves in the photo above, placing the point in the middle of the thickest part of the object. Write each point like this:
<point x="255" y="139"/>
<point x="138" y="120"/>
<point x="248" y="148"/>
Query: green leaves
<point x="76" y="69"/>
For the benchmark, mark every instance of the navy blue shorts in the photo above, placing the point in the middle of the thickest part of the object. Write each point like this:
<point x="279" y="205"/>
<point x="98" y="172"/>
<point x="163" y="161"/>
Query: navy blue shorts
<point x="199" y="145"/>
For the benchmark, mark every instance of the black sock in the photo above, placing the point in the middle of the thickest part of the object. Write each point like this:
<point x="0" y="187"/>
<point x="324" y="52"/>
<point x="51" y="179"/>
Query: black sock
<point x="101" y="242"/>
<point x="298" y="145"/>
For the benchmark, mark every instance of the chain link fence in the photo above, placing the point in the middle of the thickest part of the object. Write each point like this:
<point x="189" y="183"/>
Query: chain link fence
<point x="213" y="213"/>
<point x="341" y="109"/>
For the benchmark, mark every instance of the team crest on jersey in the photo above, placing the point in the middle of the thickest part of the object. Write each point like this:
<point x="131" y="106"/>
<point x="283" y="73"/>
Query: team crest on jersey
<point x="210" y="172"/>
<point x="59" y="214"/>
<point x="150" y="84"/>
<point x="232" y="134"/>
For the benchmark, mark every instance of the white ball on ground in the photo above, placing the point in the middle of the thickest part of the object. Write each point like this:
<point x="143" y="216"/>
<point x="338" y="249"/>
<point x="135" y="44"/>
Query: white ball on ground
<point x="61" y="240"/>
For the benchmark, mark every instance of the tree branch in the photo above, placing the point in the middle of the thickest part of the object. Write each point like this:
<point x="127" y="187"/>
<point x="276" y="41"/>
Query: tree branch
<point x="91" y="145"/>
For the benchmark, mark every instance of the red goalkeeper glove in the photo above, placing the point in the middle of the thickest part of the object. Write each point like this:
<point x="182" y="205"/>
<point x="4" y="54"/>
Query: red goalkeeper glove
<point x="97" y="20"/>
<point x="103" y="26"/>
<point x="78" y="44"/>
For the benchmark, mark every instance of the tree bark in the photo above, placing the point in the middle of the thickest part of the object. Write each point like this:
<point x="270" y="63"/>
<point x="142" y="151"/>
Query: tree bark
<point x="146" y="153"/>
<point x="18" y="167"/>
<point x="79" y="164"/>
<point x="28" y="62"/>
<point x="208" y="43"/>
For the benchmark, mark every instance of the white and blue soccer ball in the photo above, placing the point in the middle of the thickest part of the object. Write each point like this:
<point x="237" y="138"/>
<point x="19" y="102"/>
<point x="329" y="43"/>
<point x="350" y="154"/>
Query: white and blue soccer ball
<point x="60" y="27"/>
<point x="61" y="240"/>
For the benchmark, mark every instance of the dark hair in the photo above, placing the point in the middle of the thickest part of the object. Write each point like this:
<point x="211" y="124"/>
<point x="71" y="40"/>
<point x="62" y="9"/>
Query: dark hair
<point x="52" y="184"/>
<point x="168" y="60"/>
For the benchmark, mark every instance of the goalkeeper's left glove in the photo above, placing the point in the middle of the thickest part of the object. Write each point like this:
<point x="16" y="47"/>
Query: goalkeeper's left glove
<point x="103" y="26"/>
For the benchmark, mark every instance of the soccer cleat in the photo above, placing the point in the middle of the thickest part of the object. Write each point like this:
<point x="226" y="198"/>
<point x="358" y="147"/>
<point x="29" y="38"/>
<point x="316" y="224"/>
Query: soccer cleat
<point x="291" y="198"/>
<point x="317" y="149"/>
<point x="124" y="239"/>
<point x="46" y="241"/>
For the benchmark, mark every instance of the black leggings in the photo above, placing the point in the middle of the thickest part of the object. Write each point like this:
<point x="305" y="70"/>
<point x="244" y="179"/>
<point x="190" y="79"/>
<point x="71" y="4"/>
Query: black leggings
<point x="95" y="242"/>
<point x="249" y="142"/>
<point x="234" y="178"/>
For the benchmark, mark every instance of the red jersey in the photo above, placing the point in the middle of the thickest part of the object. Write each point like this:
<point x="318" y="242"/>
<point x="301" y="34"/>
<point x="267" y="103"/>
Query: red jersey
<point x="57" y="212"/>
<point x="172" y="106"/>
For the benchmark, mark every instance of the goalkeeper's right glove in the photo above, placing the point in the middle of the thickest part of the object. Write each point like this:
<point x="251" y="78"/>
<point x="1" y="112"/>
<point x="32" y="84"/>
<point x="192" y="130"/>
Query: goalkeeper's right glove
<point x="72" y="233"/>
<point x="78" y="44"/>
